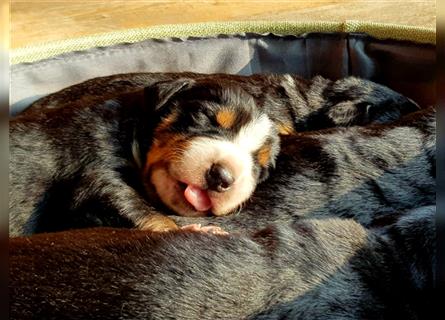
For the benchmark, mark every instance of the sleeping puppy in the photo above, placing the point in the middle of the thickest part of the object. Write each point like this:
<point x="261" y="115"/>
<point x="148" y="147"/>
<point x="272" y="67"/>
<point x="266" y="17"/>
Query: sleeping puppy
<point x="191" y="144"/>
<point x="310" y="269"/>
<point x="371" y="174"/>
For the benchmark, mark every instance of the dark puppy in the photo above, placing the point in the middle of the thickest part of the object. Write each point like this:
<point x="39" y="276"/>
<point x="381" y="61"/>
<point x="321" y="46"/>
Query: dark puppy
<point x="311" y="269"/>
<point x="366" y="173"/>
<point x="198" y="143"/>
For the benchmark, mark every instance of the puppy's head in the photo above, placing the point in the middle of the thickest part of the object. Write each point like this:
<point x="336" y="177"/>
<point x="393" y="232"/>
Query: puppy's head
<point x="211" y="146"/>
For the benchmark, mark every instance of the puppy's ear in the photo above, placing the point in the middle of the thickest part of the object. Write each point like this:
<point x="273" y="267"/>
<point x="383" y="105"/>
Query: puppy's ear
<point x="158" y="94"/>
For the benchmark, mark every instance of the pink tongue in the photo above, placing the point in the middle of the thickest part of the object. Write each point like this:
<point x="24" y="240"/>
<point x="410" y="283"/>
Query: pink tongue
<point x="198" y="198"/>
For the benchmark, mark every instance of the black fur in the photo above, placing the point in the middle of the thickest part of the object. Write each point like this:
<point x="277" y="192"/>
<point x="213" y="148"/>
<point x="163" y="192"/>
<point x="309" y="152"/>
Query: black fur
<point x="275" y="263"/>
<point x="71" y="162"/>
<point x="368" y="173"/>
<point x="310" y="269"/>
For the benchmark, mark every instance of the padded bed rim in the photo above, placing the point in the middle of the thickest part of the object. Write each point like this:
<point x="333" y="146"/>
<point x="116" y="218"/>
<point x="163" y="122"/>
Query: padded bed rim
<point x="377" y="30"/>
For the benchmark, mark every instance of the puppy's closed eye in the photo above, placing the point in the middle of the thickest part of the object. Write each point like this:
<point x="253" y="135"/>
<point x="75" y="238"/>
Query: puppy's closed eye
<point x="227" y="131"/>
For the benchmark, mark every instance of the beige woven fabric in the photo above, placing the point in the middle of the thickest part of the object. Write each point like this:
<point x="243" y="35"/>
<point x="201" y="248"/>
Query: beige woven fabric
<point x="377" y="30"/>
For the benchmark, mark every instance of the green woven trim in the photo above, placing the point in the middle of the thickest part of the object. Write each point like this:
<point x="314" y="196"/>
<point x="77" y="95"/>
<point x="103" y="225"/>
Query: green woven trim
<point x="378" y="30"/>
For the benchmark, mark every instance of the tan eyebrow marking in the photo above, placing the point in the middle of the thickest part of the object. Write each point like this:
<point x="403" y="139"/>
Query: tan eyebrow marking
<point x="263" y="155"/>
<point x="225" y="118"/>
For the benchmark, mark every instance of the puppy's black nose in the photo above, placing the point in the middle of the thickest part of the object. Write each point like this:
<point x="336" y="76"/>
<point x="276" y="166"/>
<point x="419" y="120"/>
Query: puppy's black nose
<point x="219" y="178"/>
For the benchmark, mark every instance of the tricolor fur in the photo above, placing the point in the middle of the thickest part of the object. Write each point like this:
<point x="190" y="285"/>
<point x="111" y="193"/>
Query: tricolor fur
<point x="104" y="151"/>
<point x="371" y="174"/>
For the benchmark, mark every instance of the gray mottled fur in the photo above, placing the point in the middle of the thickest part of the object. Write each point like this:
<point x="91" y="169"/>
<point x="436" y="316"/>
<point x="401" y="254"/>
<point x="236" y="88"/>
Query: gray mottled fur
<point x="310" y="269"/>
<point x="71" y="153"/>
<point x="289" y="254"/>
<point x="371" y="174"/>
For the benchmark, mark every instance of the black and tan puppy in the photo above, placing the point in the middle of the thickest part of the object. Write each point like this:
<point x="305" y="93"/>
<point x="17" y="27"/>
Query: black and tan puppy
<point x="96" y="154"/>
<point x="310" y="269"/>
<point x="367" y="173"/>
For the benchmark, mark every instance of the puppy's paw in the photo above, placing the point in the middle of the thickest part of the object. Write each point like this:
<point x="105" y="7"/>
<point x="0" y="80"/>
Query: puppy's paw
<point x="205" y="229"/>
<point x="157" y="223"/>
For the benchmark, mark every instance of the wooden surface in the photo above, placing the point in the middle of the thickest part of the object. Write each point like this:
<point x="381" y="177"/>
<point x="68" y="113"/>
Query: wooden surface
<point x="36" y="21"/>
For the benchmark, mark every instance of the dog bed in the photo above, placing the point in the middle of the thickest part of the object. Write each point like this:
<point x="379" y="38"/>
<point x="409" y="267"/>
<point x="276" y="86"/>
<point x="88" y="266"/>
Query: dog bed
<point x="400" y="57"/>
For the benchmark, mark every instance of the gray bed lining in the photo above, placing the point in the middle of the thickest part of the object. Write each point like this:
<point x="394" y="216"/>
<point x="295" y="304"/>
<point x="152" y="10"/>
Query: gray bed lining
<point x="402" y="65"/>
